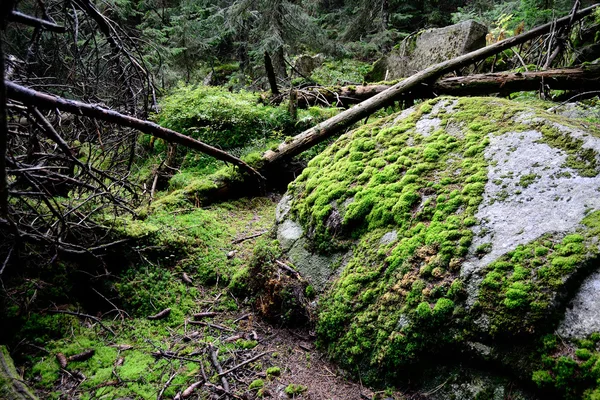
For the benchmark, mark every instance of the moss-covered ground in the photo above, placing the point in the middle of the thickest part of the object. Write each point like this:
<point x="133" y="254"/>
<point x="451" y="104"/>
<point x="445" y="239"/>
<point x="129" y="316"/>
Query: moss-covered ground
<point x="134" y="356"/>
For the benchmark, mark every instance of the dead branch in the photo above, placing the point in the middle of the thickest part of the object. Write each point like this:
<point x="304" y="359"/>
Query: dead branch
<point x="217" y="365"/>
<point x="190" y="389"/>
<point x="581" y="78"/>
<point x="3" y="139"/>
<point x="240" y="240"/>
<point x="209" y="325"/>
<point x="242" y="364"/>
<point x="82" y="315"/>
<point x="161" y="315"/>
<point x="166" y="385"/>
<point x="84" y="355"/>
<point x="349" y="117"/>
<point x="19" y="17"/>
<point x="208" y="314"/>
<point x="287" y="268"/>
<point x="35" y="98"/>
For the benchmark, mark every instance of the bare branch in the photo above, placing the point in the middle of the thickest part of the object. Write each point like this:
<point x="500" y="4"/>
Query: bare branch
<point x="33" y="97"/>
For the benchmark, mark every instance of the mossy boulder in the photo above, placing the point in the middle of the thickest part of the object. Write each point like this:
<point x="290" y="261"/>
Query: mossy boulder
<point x="460" y="229"/>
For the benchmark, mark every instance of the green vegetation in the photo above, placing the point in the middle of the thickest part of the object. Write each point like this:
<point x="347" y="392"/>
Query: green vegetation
<point x="273" y="372"/>
<point x="221" y="118"/>
<point x="342" y="72"/>
<point x="293" y="389"/>
<point x="184" y="239"/>
<point x="571" y="369"/>
<point x="396" y="304"/>
<point x="519" y="288"/>
<point x="256" y="384"/>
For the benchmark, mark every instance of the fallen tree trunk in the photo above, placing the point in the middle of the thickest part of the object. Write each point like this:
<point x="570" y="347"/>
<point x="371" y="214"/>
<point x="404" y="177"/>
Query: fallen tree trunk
<point x="349" y="117"/>
<point x="43" y="100"/>
<point x="580" y="78"/>
<point x="12" y="386"/>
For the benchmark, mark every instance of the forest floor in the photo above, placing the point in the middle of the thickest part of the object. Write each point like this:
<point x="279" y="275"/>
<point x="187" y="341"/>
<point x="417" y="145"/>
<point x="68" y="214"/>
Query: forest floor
<point x="217" y="347"/>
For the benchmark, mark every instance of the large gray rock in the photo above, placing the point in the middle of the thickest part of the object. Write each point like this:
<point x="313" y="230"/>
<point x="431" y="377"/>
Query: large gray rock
<point x="430" y="47"/>
<point x="582" y="318"/>
<point x="306" y="64"/>
<point x="469" y="224"/>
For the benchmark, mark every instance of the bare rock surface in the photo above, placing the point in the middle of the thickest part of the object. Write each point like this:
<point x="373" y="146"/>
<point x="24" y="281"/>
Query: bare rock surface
<point x="582" y="317"/>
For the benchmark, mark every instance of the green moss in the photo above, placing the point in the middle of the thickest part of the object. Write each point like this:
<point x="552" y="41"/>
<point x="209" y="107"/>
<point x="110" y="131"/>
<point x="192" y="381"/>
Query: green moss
<point x="256" y="384"/>
<point x="396" y="304"/>
<point x="246" y="344"/>
<point x="273" y="371"/>
<point x="519" y="288"/>
<point x="293" y="389"/>
<point x="527" y="180"/>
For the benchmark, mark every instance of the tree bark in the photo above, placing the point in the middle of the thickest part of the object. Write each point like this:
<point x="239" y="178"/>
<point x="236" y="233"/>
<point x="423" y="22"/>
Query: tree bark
<point x="39" y="99"/>
<point x="13" y="388"/>
<point x="580" y="78"/>
<point x="271" y="74"/>
<point x="349" y="117"/>
<point x="3" y="137"/>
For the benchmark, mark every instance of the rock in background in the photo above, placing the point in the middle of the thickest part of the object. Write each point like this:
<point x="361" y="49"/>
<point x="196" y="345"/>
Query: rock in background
<point x="429" y="47"/>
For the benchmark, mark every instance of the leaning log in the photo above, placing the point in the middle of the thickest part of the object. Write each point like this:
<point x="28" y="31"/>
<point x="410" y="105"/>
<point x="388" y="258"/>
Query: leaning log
<point x="32" y="97"/>
<point x="12" y="386"/>
<point x="338" y="123"/>
<point x="574" y="79"/>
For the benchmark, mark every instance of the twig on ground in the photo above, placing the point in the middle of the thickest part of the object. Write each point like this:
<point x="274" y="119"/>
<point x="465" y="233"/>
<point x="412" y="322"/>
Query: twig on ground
<point x="240" y="240"/>
<point x="77" y="314"/>
<point x="223" y="373"/>
<point x="215" y="361"/>
<point x="216" y="326"/>
<point x="163" y="314"/>
<point x="288" y="269"/>
<point x="166" y="385"/>
<point x="208" y="314"/>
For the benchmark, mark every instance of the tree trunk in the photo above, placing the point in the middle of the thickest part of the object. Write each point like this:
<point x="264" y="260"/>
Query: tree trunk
<point x="271" y="74"/>
<point x="3" y="136"/>
<point x="344" y="120"/>
<point x="39" y="99"/>
<point x="576" y="79"/>
<point x="12" y="387"/>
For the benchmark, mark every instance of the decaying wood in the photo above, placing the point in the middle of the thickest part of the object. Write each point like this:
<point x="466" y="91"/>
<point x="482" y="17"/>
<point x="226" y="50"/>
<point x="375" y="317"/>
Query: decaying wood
<point x="271" y="74"/>
<point x="39" y="99"/>
<point x="187" y="279"/>
<point x="580" y="78"/>
<point x="84" y="355"/>
<point x="349" y="117"/>
<point x="190" y="389"/>
<point x="208" y="314"/>
<point x="161" y="315"/>
<point x="13" y="387"/>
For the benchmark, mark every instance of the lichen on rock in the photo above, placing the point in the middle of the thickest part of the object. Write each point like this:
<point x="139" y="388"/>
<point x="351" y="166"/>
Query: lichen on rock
<point x="463" y="221"/>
